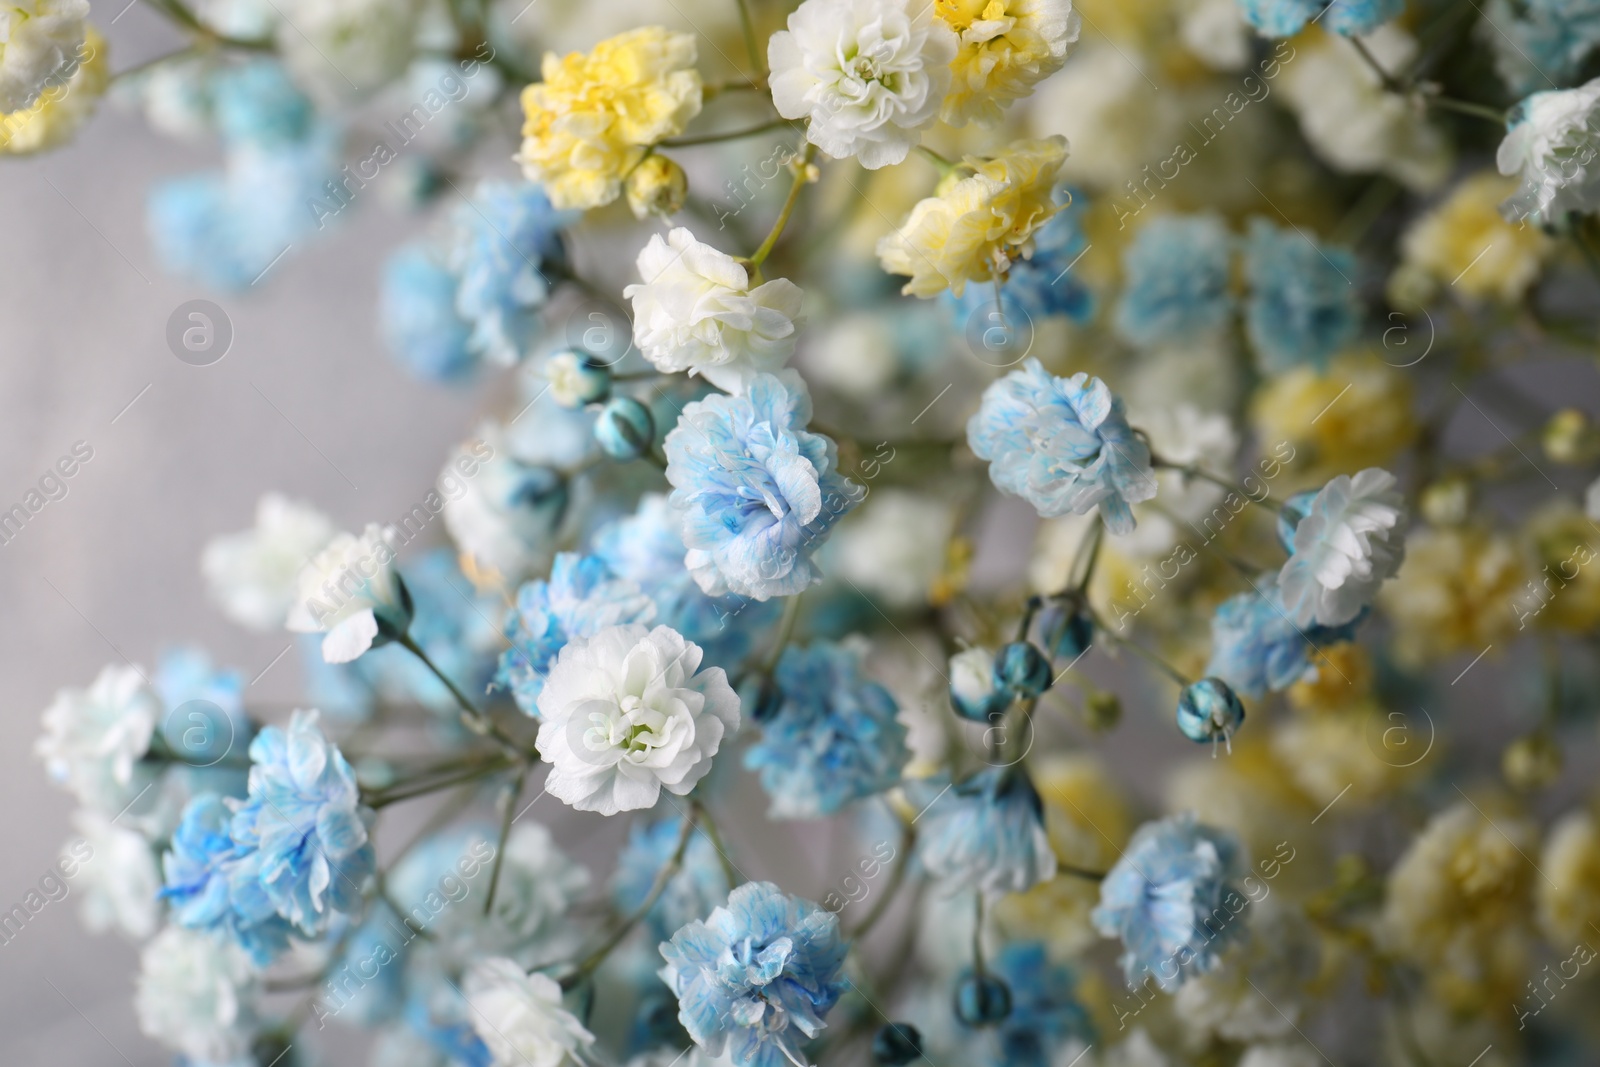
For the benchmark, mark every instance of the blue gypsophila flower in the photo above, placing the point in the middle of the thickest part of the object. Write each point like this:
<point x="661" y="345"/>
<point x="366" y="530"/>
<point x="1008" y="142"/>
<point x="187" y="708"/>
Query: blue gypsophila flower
<point x="1172" y="901"/>
<point x="256" y="102"/>
<point x="1063" y="445"/>
<point x="1045" y="1017"/>
<point x="758" y="493"/>
<point x="1175" y="281"/>
<point x="199" y="871"/>
<point x="1540" y="42"/>
<point x="1352" y="18"/>
<point x="205" y="717"/>
<point x="756" y="979"/>
<point x="1044" y="284"/>
<point x="417" y="311"/>
<point x="700" y="884"/>
<point x="508" y="255"/>
<point x="1303" y="305"/>
<point x="986" y="832"/>
<point x="580" y="598"/>
<point x="834" y="738"/>
<point x="1255" y="645"/>
<point x="303" y="826"/>
<point x="647" y="548"/>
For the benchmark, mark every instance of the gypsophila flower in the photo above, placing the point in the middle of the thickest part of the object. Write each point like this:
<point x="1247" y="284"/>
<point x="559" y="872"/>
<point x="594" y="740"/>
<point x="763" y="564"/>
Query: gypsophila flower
<point x="303" y="826"/>
<point x="1551" y="143"/>
<point x="206" y="887"/>
<point x="867" y="75"/>
<point x="520" y="1017"/>
<point x="758" y="492"/>
<point x="508" y="256"/>
<point x="1044" y="284"/>
<point x="502" y="513"/>
<point x="696" y="311"/>
<point x="119" y="887"/>
<point x="1352" y="18"/>
<point x="834" y="737"/>
<point x="37" y="39"/>
<point x="1046" y="1017"/>
<point x="976" y="226"/>
<point x="700" y="885"/>
<point x="1176" y="278"/>
<point x="343" y="48"/>
<point x="589" y="122"/>
<point x="580" y="598"/>
<point x="67" y="99"/>
<point x="1171" y="900"/>
<point x="1541" y="41"/>
<point x="627" y="713"/>
<point x="1303" y="306"/>
<point x="417" y="312"/>
<point x="351" y="592"/>
<point x="755" y="980"/>
<point x="252" y="575"/>
<point x="985" y="833"/>
<point x="94" y="738"/>
<point x="1062" y="444"/>
<point x="1007" y="47"/>
<point x="1256" y="645"/>
<point x="196" y="994"/>
<point x="1347" y="543"/>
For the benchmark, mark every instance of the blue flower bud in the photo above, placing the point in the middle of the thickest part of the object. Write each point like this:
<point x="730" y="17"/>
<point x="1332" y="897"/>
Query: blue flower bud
<point x="982" y="1000"/>
<point x="577" y="378"/>
<point x="1208" y="709"/>
<point x="1023" y="669"/>
<point x="625" y="429"/>
<point x="1066" y="631"/>
<point x="896" y="1044"/>
<point x="976" y="691"/>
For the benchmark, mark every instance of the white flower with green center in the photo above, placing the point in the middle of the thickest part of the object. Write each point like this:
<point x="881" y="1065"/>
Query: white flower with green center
<point x="628" y="713"/>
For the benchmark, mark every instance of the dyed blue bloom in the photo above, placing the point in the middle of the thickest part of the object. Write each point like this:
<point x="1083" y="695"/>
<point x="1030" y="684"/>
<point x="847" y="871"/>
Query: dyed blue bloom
<point x="1045" y="1017"/>
<point x="365" y="983"/>
<point x="199" y="874"/>
<point x="417" y="310"/>
<point x="1542" y="41"/>
<point x="1303" y="305"/>
<point x="508" y="255"/>
<point x="580" y="599"/>
<point x="448" y="1032"/>
<point x="1062" y="444"/>
<point x="1176" y="275"/>
<point x="986" y="832"/>
<point x="1044" y="284"/>
<point x="257" y="102"/>
<point x="759" y="494"/>
<point x="1171" y="900"/>
<point x="1352" y="18"/>
<point x="700" y="885"/>
<point x="1255" y="645"/>
<point x="834" y="738"/>
<point x="646" y="548"/>
<point x="205" y="717"/>
<point x="757" y="977"/>
<point x="303" y="827"/>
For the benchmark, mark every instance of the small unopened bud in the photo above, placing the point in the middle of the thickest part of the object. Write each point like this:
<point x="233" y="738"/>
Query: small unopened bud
<point x="1569" y="437"/>
<point x="657" y="186"/>
<point x="1446" y="502"/>
<point x="1531" y="762"/>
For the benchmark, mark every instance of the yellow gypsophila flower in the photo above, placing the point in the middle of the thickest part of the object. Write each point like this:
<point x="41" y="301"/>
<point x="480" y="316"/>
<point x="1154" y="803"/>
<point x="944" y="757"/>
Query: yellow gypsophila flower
<point x="1569" y="902"/>
<point x="1356" y="415"/>
<point x="63" y="107"/>
<point x="1564" y="592"/>
<point x="591" y="119"/>
<point x="1007" y="47"/>
<point x="1331" y="756"/>
<point x="976" y="224"/>
<point x="1340" y="679"/>
<point x="1459" y="900"/>
<point x="1465" y="244"/>
<point x="1454" y="593"/>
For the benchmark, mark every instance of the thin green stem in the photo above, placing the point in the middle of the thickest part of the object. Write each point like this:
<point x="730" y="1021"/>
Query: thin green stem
<point x="1467" y="107"/>
<point x="150" y="64"/>
<point x="1192" y="470"/>
<point x="802" y="165"/>
<point x="709" y="825"/>
<point x="474" y="718"/>
<point x="977" y="932"/>
<point x="728" y="135"/>
<point x="945" y="166"/>
<point x="433" y="784"/>
<point x="886" y="895"/>
<point x="748" y="27"/>
<point x="509" y="799"/>
<point x="1145" y="653"/>
<point x="791" y="615"/>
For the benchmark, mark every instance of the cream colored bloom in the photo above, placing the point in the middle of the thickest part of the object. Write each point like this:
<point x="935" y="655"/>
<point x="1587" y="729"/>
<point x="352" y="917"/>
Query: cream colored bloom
<point x="1455" y="593"/>
<point x="1466" y="245"/>
<point x="37" y="39"/>
<point x="64" y="106"/>
<point x="1007" y="47"/>
<point x="974" y="226"/>
<point x="1569" y="901"/>
<point x="1329" y="756"/>
<point x="590" y="120"/>
<point x="1356" y="414"/>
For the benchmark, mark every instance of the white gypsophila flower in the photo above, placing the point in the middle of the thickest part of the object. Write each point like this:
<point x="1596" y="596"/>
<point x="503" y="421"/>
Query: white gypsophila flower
<point x="869" y="75"/>
<point x="339" y="49"/>
<point x="195" y="994"/>
<point x="251" y="575"/>
<point x="350" y="591"/>
<point x="696" y="312"/>
<point x="896" y="545"/>
<point x="121" y="881"/>
<point x="94" y="738"/>
<point x="37" y="39"/>
<point x="853" y="354"/>
<point x="627" y="713"/>
<point x="539" y="885"/>
<point x="1279" y="951"/>
<point x="1350" y="539"/>
<point x="520" y="1016"/>
<point x="972" y="675"/>
<point x="1356" y="124"/>
<point x="1551" y="145"/>
<point x="1215" y="33"/>
<point x="501" y="512"/>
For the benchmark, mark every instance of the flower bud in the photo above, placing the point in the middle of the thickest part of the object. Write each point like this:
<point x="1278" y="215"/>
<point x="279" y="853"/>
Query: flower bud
<point x="1023" y="669"/>
<point x="577" y="378"/>
<point x="1209" y="709"/>
<point x="982" y="1000"/>
<point x="625" y="428"/>
<point x="1066" y="631"/>
<point x="896" y="1044"/>
<point x="657" y="186"/>
<point x="976" y="692"/>
<point x="1569" y="437"/>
